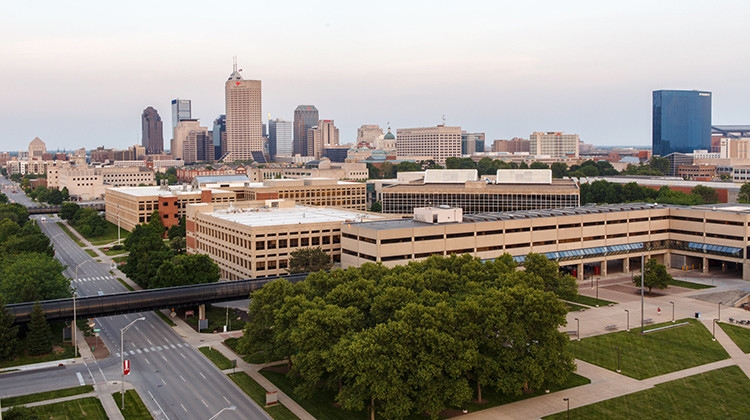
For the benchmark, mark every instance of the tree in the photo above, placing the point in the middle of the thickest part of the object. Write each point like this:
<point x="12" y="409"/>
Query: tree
<point x="177" y="230"/>
<point x="68" y="211"/>
<point x="21" y="412"/>
<point x="659" y="164"/>
<point x="373" y="171"/>
<point x="656" y="276"/>
<point x="553" y="280"/>
<point x="65" y="194"/>
<point x="3" y="198"/>
<point x="39" y="338"/>
<point x="309" y="260"/>
<point x="538" y="165"/>
<point x="744" y="195"/>
<point x="376" y="207"/>
<point x="559" y="169"/>
<point x="707" y="194"/>
<point x="32" y="276"/>
<point x="8" y="333"/>
<point x="182" y="270"/>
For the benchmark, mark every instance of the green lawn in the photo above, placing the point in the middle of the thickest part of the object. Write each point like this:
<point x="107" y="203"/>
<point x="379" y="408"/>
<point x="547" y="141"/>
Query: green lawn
<point x="258" y="394"/>
<point x="256" y="358"/>
<point x="120" y="259"/>
<point x="23" y="359"/>
<point x="689" y="284"/>
<point x="589" y="301"/>
<point x="321" y="405"/>
<point x="110" y="235"/>
<point x="165" y="318"/>
<point x="49" y="395"/>
<point x="740" y="335"/>
<point x="217" y="317"/>
<point x="215" y="356"/>
<point x="89" y="408"/>
<point x="573" y="307"/>
<point x="124" y="283"/>
<point x="91" y="253"/>
<point x="111" y="253"/>
<point x="70" y="234"/>
<point x="718" y="394"/>
<point x="134" y="407"/>
<point x="652" y="354"/>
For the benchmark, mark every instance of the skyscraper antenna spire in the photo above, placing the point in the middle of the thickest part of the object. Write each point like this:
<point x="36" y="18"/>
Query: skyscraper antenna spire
<point x="234" y="65"/>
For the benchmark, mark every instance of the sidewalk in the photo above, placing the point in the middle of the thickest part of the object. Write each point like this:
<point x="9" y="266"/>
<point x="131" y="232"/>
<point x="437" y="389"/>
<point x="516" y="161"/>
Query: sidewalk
<point x="216" y="341"/>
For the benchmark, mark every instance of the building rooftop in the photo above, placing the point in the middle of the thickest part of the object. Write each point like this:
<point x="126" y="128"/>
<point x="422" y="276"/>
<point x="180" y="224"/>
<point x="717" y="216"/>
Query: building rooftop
<point x="206" y="179"/>
<point x="172" y="190"/>
<point x="663" y="181"/>
<point x="555" y="187"/>
<point x="291" y="216"/>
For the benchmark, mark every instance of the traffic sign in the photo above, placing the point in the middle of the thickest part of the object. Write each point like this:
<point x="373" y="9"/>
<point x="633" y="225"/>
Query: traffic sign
<point x="97" y="329"/>
<point x="126" y="367"/>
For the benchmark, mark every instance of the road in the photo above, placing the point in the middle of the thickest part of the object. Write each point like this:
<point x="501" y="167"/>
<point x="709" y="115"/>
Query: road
<point x="174" y="380"/>
<point x="7" y="187"/>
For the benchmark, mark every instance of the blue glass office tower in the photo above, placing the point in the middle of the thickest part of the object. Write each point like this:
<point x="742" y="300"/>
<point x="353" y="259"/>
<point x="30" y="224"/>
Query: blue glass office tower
<point x="681" y="121"/>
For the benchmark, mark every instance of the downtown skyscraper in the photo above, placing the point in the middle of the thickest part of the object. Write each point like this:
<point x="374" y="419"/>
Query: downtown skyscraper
<point x="681" y="121"/>
<point x="280" y="141"/>
<point x="152" y="131"/>
<point x="305" y="118"/>
<point x="244" y="119"/>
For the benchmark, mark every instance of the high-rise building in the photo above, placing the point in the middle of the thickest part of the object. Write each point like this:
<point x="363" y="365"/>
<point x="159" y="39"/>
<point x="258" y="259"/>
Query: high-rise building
<point x="472" y="143"/>
<point x="321" y="136"/>
<point x="153" y="132"/>
<point x="369" y="134"/>
<point x="181" y="111"/>
<point x="219" y="134"/>
<point x="305" y="117"/>
<point x="681" y="121"/>
<point x="554" y="144"/>
<point x="37" y="148"/>
<point x="280" y="139"/>
<point x="189" y="143"/>
<point x="439" y="142"/>
<point x="243" y="118"/>
<point x="516" y="145"/>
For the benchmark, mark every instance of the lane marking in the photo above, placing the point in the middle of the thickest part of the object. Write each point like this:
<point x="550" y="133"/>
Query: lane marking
<point x="147" y="361"/>
<point x="173" y="346"/>
<point x="183" y="356"/>
<point x="145" y="349"/>
<point x="153" y="349"/>
<point x="225" y="399"/>
<point x="102" y="372"/>
<point x="80" y="379"/>
<point x="204" y="403"/>
<point x="139" y="351"/>
<point x="204" y="376"/>
<point x="149" y="342"/>
<point x="165" y="359"/>
<point x="162" y="381"/>
<point x="159" y="348"/>
<point x="183" y="407"/>
<point x="158" y="405"/>
<point x="183" y="379"/>
<point x="179" y="345"/>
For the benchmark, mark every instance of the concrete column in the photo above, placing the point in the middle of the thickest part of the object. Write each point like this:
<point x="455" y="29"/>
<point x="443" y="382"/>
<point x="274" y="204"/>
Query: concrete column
<point x="746" y="271"/>
<point x="705" y="265"/>
<point x="202" y="311"/>
<point x="723" y="266"/>
<point x="626" y="265"/>
<point x="579" y="271"/>
<point x="603" y="269"/>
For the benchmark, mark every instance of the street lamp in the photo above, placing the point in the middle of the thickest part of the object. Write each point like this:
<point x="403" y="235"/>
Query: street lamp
<point x="672" y="311"/>
<point x="122" y="356"/>
<point x="643" y="262"/>
<point x="568" y="411"/>
<point x="719" y="317"/>
<point x="627" y="326"/>
<point x="578" y="329"/>
<point x="597" y="292"/>
<point x="231" y="408"/>
<point x="713" y="331"/>
<point x="75" y="292"/>
<point x="618" y="358"/>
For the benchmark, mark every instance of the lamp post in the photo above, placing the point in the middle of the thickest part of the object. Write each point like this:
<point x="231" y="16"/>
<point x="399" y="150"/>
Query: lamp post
<point x="672" y="311"/>
<point x="597" y="292"/>
<point x="627" y="325"/>
<point x="578" y="329"/>
<point x="122" y="357"/>
<point x="713" y="330"/>
<point x="618" y="358"/>
<point x="231" y="408"/>
<point x="719" y="317"/>
<point x="643" y="262"/>
<point x="567" y="400"/>
<point x="75" y="292"/>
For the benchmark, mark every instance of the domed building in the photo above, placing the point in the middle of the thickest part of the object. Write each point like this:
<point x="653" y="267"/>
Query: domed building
<point x="386" y="142"/>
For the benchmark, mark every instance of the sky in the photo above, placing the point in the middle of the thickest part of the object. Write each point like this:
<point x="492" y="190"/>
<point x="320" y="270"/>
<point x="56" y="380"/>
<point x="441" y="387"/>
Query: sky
<point x="79" y="74"/>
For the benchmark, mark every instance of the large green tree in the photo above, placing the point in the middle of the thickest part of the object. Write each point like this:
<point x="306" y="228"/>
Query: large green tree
<point x="550" y="277"/>
<point x="32" y="276"/>
<point x="656" y="276"/>
<point x="39" y="337"/>
<point x="8" y="333"/>
<point x="309" y="260"/>
<point x="182" y="270"/>
<point x="744" y="194"/>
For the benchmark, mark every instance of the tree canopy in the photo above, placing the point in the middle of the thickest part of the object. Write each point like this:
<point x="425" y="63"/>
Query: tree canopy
<point x="656" y="276"/>
<point x="309" y="260"/>
<point x="414" y="338"/>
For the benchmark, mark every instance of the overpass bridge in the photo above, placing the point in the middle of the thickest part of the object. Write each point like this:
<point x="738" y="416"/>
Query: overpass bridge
<point x="57" y="209"/>
<point x="146" y="300"/>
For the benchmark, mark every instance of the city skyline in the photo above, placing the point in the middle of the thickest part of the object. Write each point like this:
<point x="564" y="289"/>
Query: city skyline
<point x="507" y="71"/>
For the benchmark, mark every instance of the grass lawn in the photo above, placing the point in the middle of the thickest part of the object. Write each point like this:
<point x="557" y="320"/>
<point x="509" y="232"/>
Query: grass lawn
<point x="689" y="284"/>
<point x="256" y="358"/>
<point x="70" y="234"/>
<point x="120" y="259"/>
<point x="258" y="394"/>
<point x="740" y="335"/>
<point x="573" y="307"/>
<point x="321" y="405"/>
<point x="49" y="395"/>
<point x="165" y="318"/>
<point x="89" y="408"/>
<point x="652" y="354"/>
<point x="23" y="359"/>
<point x="110" y="235"/>
<point x="216" y="318"/>
<point x="589" y="301"/>
<point x="135" y="409"/>
<point x="718" y="394"/>
<point x="91" y="253"/>
<point x="111" y="253"/>
<point x="215" y="356"/>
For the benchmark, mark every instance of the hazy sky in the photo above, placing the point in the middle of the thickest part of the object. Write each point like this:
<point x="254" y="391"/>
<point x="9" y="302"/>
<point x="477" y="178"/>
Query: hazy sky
<point x="80" y="73"/>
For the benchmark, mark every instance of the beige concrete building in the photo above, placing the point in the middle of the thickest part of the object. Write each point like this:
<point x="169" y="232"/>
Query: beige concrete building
<point x="323" y="135"/>
<point x="439" y="142"/>
<point x="24" y="167"/>
<point x="89" y="183"/>
<point x="368" y="133"/>
<point x="36" y="149"/>
<point x="255" y="239"/>
<point x="593" y="239"/>
<point x="554" y="144"/>
<point x="134" y="205"/>
<point x="82" y="183"/>
<point x="244" y="117"/>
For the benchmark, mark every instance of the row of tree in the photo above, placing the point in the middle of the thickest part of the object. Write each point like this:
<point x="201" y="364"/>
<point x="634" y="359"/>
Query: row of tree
<point x="604" y="192"/>
<point x="154" y="263"/>
<point x="87" y="221"/>
<point x="48" y="195"/>
<point x="417" y="338"/>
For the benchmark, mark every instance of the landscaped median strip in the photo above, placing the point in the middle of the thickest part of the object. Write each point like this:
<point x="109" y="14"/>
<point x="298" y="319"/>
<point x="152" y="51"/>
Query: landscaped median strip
<point x="48" y="395"/>
<point x="740" y="335"/>
<point x="135" y="409"/>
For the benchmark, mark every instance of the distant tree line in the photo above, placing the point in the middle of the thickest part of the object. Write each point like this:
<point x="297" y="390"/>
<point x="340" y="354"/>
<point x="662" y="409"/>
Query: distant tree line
<point x="604" y="192"/>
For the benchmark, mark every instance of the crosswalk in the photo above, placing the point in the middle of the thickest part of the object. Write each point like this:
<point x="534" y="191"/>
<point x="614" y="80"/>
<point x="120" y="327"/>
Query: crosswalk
<point x="153" y="349"/>
<point x="99" y="278"/>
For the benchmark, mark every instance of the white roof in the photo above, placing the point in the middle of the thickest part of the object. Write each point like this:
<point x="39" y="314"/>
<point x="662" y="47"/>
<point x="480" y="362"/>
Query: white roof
<point x="443" y="176"/>
<point x="291" y="216"/>
<point x="174" y="190"/>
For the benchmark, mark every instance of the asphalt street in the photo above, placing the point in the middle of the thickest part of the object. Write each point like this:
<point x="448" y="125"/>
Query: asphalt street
<point x="174" y="380"/>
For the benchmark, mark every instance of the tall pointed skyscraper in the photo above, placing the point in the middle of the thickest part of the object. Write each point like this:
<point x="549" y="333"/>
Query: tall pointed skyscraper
<point x="305" y="117"/>
<point x="244" y="119"/>
<point x="153" y="133"/>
